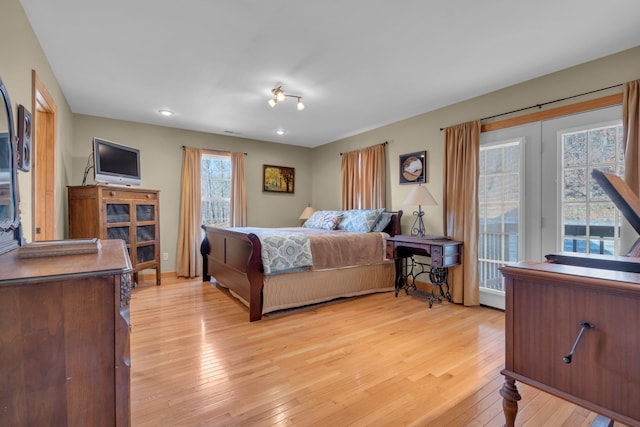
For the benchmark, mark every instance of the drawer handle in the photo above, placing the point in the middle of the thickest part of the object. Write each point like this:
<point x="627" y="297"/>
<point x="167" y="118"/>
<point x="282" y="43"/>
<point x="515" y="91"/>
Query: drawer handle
<point x="585" y="326"/>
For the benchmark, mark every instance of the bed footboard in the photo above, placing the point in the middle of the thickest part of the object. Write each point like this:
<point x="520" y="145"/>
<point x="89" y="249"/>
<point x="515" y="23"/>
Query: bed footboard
<point x="234" y="261"/>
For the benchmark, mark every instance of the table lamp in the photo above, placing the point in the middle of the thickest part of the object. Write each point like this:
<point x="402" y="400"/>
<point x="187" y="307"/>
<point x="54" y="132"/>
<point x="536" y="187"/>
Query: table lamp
<point x="306" y="214"/>
<point x="420" y="196"/>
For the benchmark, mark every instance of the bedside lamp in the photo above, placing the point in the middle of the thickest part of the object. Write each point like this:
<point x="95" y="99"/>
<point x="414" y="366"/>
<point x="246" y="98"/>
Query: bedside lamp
<point x="306" y="214"/>
<point x="420" y="196"/>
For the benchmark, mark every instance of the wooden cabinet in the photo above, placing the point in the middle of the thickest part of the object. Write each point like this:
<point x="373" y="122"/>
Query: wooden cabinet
<point x="546" y="306"/>
<point x="130" y="214"/>
<point x="64" y="339"/>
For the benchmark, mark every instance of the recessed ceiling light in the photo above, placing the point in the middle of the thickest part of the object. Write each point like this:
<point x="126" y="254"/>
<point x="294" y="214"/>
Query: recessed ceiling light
<point x="166" y="113"/>
<point x="280" y="131"/>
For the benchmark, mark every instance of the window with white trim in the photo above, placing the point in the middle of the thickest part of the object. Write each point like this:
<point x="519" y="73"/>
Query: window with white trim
<point x="590" y="221"/>
<point x="501" y="212"/>
<point x="215" y="188"/>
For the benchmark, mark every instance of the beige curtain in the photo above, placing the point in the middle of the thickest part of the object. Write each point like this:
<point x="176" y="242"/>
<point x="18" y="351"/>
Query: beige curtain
<point x="349" y="172"/>
<point x="364" y="178"/>
<point x="461" y="172"/>
<point x="631" y="130"/>
<point x="238" y="207"/>
<point x="189" y="260"/>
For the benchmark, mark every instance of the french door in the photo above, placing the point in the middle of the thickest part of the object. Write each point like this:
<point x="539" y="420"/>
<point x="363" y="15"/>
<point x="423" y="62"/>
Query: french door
<point x="536" y="195"/>
<point x="578" y="216"/>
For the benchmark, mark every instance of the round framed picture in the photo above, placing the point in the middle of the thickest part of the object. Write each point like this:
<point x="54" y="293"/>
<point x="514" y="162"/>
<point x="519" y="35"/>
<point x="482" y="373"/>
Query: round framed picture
<point x="413" y="167"/>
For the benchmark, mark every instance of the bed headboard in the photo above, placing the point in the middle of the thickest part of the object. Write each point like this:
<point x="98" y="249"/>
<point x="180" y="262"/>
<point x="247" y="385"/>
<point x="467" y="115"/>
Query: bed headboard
<point x="394" y="227"/>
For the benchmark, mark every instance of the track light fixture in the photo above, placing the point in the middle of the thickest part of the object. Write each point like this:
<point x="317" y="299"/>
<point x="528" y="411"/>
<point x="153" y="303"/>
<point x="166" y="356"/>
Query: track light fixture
<point x="279" y="96"/>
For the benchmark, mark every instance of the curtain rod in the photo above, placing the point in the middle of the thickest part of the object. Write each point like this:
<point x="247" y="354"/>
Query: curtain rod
<point x="547" y="103"/>
<point x="218" y="151"/>
<point x="382" y="143"/>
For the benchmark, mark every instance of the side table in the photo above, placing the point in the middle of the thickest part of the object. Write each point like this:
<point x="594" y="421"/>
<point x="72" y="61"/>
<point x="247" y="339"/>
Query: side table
<point x="444" y="253"/>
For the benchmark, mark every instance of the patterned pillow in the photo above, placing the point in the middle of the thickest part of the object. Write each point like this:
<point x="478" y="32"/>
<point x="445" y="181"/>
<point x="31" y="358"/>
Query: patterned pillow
<point x="325" y="220"/>
<point x="382" y="222"/>
<point x="359" y="220"/>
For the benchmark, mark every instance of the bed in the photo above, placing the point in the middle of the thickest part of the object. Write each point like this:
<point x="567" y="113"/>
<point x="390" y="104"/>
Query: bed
<point x="345" y="262"/>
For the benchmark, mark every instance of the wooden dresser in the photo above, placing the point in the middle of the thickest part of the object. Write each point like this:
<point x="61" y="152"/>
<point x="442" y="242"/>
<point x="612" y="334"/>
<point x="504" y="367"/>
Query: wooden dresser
<point x="64" y="339"/>
<point x="127" y="213"/>
<point x="547" y="305"/>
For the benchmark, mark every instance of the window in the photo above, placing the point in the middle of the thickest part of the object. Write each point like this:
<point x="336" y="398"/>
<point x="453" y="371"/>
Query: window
<point x="590" y="221"/>
<point x="215" y="189"/>
<point x="500" y="196"/>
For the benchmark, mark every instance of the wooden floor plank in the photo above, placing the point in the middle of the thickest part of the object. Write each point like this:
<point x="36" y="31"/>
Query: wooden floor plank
<point x="375" y="360"/>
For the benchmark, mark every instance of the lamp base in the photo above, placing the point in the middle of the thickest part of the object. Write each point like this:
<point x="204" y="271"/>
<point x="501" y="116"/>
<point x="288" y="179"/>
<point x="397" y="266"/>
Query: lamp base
<point x="418" y="229"/>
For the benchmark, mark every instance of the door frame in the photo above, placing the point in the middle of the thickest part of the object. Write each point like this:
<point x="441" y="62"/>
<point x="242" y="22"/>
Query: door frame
<point x="44" y="133"/>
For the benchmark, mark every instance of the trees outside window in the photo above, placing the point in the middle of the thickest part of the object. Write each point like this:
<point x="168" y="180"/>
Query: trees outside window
<point x="590" y="220"/>
<point x="215" y="189"/>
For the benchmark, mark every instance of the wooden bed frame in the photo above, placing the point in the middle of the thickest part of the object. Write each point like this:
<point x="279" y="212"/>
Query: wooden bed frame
<point x="234" y="259"/>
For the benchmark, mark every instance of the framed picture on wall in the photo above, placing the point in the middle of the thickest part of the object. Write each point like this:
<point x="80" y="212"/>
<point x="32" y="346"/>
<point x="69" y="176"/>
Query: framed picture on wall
<point x="24" y="139"/>
<point x="413" y="168"/>
<point x="278" y="179"/>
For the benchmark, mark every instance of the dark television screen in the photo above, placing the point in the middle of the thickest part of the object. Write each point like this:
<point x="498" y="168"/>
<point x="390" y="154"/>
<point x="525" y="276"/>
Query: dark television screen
<point x="115" y="163"/>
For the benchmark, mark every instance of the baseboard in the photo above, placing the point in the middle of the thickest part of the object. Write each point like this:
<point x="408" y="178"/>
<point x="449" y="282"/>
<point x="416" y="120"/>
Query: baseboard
<point x="150" y="275"/>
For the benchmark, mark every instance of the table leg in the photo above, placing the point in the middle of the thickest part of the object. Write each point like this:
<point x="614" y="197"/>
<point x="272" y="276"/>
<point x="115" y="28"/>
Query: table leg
<point x="413" y="271"/>
<point x="510" y="398"/>
<point x="399" y="276"/>
<point x="402" y="280"/>
<point x="438" y="277"/>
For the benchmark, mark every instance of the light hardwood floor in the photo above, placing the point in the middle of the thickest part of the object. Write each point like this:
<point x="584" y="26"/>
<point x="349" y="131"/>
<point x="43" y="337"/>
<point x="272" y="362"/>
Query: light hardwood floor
<point x="368" y="361"/>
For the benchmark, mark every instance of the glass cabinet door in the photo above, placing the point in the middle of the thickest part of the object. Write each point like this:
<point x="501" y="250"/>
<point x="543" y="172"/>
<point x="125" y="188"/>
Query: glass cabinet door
<point x="118" y="212"/>
<point x="145" y="253"/>
<point x="145" y="213"/>
<point x="145" y="233"/>
<point x="119" y="233"/>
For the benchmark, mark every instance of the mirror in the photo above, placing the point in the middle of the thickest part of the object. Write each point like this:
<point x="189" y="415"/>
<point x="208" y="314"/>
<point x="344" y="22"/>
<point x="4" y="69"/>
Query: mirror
<point x="10" y="232"/>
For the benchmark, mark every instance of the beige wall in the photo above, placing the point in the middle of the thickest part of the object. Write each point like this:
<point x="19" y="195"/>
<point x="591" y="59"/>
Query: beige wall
<point x="423" y="132"/>
<point x="21" y="52"/>
<point x="161" y="166"/>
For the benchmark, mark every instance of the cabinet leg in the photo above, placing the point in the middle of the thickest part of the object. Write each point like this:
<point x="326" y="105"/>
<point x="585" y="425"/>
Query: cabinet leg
<point x="510" y="398"/>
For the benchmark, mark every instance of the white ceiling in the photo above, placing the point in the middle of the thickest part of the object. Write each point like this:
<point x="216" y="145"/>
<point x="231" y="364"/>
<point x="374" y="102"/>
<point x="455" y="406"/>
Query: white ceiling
<point x="358" y="64"/>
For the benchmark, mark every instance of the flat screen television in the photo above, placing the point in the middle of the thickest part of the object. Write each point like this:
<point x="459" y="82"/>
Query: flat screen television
<point x="115" y="164"/>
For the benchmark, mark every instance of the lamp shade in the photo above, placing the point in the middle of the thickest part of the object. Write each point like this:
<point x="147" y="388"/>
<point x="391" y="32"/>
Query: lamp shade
<point x="421" y="196"/>
<point x="307" y="212"/>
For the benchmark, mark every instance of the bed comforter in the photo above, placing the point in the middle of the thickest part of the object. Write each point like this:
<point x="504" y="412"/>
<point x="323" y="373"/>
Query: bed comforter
<point x="294" y="249"/>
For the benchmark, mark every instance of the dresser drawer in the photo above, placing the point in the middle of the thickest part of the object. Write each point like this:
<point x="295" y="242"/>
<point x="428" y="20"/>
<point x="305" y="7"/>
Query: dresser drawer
<point x="436" y="256"/>
<point x="117" y="194"/>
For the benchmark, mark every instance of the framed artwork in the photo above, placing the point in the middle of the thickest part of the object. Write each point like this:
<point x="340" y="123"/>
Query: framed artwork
<point x="413" y="168"/>
<point x="278" y="179"/>
<point x="24" y="139"/>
